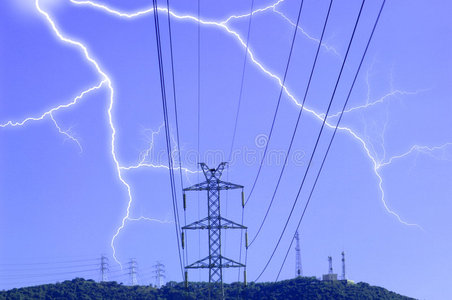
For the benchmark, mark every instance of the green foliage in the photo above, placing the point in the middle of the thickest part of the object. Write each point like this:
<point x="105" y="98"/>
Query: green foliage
<point x="299" y="288"/>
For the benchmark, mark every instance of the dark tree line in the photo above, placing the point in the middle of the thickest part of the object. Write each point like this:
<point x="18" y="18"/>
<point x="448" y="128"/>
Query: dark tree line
<point x="300" y="288"/>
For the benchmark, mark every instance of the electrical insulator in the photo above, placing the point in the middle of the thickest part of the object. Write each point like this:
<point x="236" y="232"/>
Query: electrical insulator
<point x="186" y="279"/>
<point x="243" y="199"/>
<point x="185" y="201"/>
<point x="183" y="240"/>
<point x="244" y="277"/>
<point x="246" y="239"/>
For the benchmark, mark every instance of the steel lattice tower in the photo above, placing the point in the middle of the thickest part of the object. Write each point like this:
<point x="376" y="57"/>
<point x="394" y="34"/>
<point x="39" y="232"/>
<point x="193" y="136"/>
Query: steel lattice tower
<point x="133" y="271"/>
<point x="214" y="223"/>
<point x="159" y="270"/>
<point x="103" y="268"/>
<point x="298" y="269"/>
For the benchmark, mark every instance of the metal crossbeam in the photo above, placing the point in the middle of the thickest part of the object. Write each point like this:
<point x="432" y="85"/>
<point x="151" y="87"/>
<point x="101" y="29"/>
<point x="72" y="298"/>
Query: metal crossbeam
<point x="204" y="264"/>
<point x="203" y="224"/>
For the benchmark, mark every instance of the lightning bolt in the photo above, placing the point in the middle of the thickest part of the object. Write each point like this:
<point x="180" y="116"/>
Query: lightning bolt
<point x="224" y="26"/>
<point x="108" y="82"/>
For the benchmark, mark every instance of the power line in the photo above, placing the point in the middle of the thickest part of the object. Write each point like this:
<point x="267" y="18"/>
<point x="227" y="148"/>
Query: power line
<point x="199" y="118"/>
<point x="167" y="134"/>
<point x="28" y="283"/>
<point x="174" y="91"/>
<point x="199" y="74"/>
<point x="49" y="262"/>
<point x="317" y="141"/>
<point x="272" y="126"/>
<point x="242" y="81"/>
<point x="175" y="109"/>
<point x="15" y="276"/>
<point x="235" y="129"/>
<point x="296" y="124"/>
<point x="335" y="130"/>
<point x="271" y="129"/>
<point x="46" y="269"/>
<point x="277" y="105"/>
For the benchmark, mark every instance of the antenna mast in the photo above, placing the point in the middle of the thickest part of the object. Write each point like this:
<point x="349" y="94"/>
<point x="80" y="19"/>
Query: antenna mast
<point x="298" y="269"/>
<point x="330" y="262"/>
<point x="343" y="266"/>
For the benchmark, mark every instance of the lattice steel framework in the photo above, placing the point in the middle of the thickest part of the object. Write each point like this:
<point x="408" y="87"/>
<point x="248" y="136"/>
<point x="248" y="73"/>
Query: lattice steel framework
<point x="214" y="223"/>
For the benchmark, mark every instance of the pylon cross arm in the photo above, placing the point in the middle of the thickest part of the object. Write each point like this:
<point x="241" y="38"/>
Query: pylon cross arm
<point x="218" y="185"/>
<point x="203" y="224"/>
<point x="204" y="263"/>
<point x="203" y="186"/>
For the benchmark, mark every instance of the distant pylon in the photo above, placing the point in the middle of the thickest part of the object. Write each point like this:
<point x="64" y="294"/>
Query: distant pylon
<point x="133" y="271"/>
<point x="298" y="269"/>
<point x="103" y="268"/>
<point x="343" y="266"/>
<point x="330" y="262"/>
<point x="159" y="270"/>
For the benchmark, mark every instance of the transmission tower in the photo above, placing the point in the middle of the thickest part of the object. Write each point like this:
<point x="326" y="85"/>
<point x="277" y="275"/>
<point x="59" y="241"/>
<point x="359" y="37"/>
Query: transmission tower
<point x="214" y="223"/>
<point x="103" y="268"/>
<point x="159" y="271"/>
<point x="298" y="269"/>
<point x="133" y="271"/>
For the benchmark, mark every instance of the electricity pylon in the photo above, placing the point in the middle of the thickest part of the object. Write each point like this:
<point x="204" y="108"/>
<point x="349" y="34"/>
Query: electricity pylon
<point x="159" y="271"/>
<point x="133" y="271"/>
<point x="103" y="268"/>
<point x="214" y="223"/>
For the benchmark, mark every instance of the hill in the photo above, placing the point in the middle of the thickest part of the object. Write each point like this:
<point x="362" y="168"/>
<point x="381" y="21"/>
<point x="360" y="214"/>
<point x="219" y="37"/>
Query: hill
<point x="299" y="288"/>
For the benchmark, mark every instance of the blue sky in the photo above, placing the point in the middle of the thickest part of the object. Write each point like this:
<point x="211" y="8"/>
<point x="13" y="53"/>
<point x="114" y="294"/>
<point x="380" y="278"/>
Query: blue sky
<point x="73" y="72"/>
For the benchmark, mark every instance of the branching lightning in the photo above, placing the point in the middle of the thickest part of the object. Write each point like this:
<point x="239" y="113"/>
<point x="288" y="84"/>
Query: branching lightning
<point x="316" y="40"/>
<point x="380" y="100"/>
<point x="151" y="220"/>
<point x="224" y="26"/>
<point x="106" y="80"/>
<point x="146" y="159"/>
<point x="66" y="133"/>
<point x="427" y="150"/>
<point x="53" y="110"/>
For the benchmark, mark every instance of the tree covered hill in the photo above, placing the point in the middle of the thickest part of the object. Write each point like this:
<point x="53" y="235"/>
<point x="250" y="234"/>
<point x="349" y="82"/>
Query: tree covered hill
<point x="299" y="288"/>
